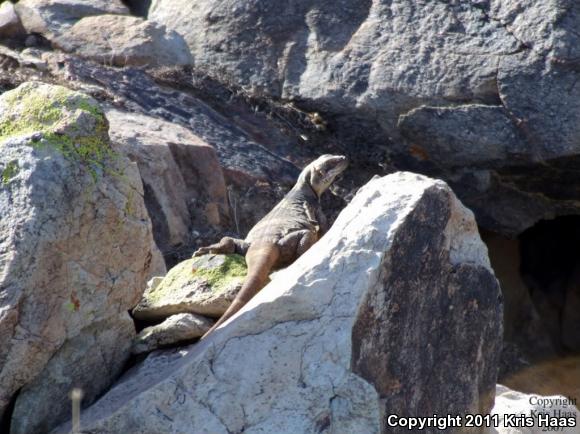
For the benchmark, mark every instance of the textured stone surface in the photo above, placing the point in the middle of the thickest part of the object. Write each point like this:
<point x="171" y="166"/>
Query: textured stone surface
<point x="482" y="93"/>
<point x="124" y="41"/>
<point x="181" y="328"/>
<point x="205" y="285"/>
<point x="184" y="184"/>
<point x="75" y="252"/>
<point x="394" y="310"/>
<point x="510" y="402"/>
<point x="51" y="18"/>
<point x="10" y="25"/>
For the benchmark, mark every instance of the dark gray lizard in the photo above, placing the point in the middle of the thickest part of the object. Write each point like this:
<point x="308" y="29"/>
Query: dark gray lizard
<point x="285" y="233"/>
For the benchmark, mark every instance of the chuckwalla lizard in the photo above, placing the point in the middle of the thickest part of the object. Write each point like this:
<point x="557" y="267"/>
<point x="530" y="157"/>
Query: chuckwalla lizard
<point x="285" y="233"/>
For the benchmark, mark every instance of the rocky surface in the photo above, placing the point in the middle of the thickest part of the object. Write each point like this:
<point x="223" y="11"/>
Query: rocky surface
<point x="205" y="285"/>
<point x="388" y="313"/>
<point x="177" y="329"/>
<point x="510" y="402"/>
<point x="52" y="18"/>
<point x="76" y="249"/>
<point x="185" y="190"/>
<point x="10" y="25"/>
<point x="484" y="94"/>
<point x="124" y="41"/>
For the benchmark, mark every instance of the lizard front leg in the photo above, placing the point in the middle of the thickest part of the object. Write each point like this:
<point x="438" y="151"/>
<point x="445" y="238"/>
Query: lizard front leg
<point x="227" y="245"/>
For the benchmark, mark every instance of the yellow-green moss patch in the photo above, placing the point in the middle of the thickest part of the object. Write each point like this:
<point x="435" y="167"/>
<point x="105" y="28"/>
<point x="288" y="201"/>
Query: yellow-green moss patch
<point x="230" y="267"/>
<point x="217" y="272"/>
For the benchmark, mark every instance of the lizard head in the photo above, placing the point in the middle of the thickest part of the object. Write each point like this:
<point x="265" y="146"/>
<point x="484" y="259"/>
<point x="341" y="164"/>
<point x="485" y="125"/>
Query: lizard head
<point x="322" y="172"/>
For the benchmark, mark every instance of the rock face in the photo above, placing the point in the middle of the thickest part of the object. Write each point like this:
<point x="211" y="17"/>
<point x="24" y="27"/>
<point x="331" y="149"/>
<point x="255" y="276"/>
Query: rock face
<point x="205" y="285"/>
<point x="482" y="93"/>
<point x="75" y="252"/>
<point x="509" y="402"/>
<point x="52" y="18"/>
<point x="124" y="41"/>
<point x="184" y="185"/>
<point x="394" y="311"/>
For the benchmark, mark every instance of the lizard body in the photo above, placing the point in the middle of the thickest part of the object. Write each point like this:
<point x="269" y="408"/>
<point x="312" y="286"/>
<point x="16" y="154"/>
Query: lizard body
<point x="283" y="234"/>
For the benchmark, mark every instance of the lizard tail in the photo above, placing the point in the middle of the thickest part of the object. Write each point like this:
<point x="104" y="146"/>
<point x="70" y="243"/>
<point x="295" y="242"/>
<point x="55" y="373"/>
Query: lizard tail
<point x="260" y="260"/>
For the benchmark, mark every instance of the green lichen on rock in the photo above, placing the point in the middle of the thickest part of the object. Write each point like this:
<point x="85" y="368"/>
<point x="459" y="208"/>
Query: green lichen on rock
<point x="205" y="285"/>
<point x="218" y="272"/>
<point x="69" y="121"/>
<point x="219" y="275"/>
<point x="9" y="172"/>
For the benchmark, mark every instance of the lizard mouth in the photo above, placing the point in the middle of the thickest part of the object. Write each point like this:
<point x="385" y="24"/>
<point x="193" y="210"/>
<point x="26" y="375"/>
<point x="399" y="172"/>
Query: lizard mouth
<point x="340" y="166"/>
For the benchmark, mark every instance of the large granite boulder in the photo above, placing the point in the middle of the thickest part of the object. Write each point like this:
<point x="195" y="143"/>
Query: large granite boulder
<point x="483" y="93"/>
<point x="185" y="190"/>
<point x="395" y="311"/>
<point x="124" y="41"/>
<point x="76" y="250"/>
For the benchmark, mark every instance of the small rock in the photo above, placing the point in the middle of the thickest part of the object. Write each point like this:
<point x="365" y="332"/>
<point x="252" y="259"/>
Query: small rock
<point x="178" y="328"/>
<point x="124" y="41"/>
<point x="204" y="285"/>
<point x="52" y="18"/>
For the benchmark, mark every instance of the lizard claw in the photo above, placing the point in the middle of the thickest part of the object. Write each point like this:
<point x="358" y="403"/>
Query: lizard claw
<point x="200" y="252"/>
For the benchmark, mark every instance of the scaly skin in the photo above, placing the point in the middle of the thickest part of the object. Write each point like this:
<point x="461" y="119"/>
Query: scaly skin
<point x="284" y="234"/>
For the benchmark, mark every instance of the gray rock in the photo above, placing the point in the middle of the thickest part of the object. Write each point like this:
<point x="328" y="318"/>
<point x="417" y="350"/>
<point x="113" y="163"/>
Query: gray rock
<point x="359" y="327"/>
<point x="181" y="328"/>
<point x="124" y="41"/>
<point x="51" y="18"/>
<point x="99" y="352"/>
<point x="450" y="138"/>
<point x="184" y="184"/>
<point x="10" y="25"/>
<point x="75" y="251"/>
<point x="446" y="88"/>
